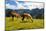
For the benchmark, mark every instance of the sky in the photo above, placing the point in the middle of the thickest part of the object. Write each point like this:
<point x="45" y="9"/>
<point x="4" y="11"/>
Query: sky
<point x="15" y="4"/>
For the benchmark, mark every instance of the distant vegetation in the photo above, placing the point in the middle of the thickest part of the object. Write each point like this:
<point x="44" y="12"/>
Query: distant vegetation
<point x="36" y="13"/>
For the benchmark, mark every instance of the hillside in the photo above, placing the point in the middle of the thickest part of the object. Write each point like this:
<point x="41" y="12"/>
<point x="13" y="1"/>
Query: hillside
<point x="36" y="13"/>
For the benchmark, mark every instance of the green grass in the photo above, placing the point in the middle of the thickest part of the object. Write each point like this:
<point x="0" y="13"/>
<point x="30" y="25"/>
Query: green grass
<point x="17" y="24"/>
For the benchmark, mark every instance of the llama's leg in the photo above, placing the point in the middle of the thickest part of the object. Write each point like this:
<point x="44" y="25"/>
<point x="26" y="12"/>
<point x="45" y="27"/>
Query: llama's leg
<point x="27" y="18"/>
<point x="31" y="19"/>
<point x="22" y="18"/>
<point x="12" y="18"/>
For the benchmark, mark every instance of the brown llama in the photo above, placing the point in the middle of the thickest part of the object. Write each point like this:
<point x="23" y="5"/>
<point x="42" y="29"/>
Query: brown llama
<point x="15" y="14"/>
<point x="27" y="15"/>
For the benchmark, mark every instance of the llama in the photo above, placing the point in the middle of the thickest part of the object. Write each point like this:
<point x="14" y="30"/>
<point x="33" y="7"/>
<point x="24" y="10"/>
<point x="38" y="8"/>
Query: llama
<point x="27" y="15"/>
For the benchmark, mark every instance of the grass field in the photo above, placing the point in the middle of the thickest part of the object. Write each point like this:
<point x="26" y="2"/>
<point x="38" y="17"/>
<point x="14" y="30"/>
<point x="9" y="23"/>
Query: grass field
<point x="17" y="24"/>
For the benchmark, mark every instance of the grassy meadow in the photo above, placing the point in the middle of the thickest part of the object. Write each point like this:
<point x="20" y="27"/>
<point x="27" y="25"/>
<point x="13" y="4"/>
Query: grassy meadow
<point x="18" y="24"/>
